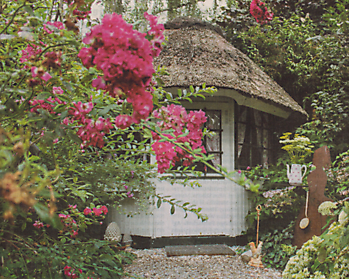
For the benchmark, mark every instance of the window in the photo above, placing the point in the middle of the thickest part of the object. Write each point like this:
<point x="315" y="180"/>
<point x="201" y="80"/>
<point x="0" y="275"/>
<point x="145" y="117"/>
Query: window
<point x="213" y="145"/>
<point x="254" y="140"/>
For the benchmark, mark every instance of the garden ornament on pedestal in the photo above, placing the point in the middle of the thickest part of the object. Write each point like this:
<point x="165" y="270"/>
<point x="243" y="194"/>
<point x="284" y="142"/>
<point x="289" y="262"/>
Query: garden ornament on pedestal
<point x="317" y="180"/>
<point x="256" y="259"/>
<point x="298" y="148"/>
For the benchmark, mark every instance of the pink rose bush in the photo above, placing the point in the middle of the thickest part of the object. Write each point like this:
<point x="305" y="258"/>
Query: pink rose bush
<point x="97" y="211"/>
<point x="68" y="219"/>
<point x="82" y="8"/>
<point x="90" y="131"/>
<point x="260" y="12"/>
<point x="57" y="24"/>
<point x="69" y="272"/>
<point x="69" y="224"/>
<point x="125" y="56"/>
<point x="187" y="129"/>
<point x="48" y="104"/>
<point x="29" y="54"/>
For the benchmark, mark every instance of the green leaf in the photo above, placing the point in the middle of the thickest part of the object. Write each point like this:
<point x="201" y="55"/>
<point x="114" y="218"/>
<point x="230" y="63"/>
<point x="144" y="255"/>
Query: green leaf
<point x="173" y="209"/>
<point x="107" y="259"/>
<point x="45" y="216"/>
<point x="158" y="204"/>
<point x="98" y="245"/>
<point x="322" y="254"/>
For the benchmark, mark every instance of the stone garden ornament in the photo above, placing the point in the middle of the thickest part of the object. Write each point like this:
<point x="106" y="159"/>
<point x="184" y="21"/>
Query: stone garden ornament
<point x="112" y="233"/>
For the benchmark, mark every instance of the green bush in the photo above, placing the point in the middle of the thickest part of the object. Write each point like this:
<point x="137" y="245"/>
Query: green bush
<point x="325" y="256"/>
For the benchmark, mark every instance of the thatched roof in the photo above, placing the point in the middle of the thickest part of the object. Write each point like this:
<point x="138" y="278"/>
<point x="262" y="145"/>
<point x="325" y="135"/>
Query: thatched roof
<point x="197" y="53"/>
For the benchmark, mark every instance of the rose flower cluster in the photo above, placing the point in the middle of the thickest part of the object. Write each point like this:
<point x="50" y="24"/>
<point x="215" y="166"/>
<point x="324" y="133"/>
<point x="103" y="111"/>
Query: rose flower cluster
<point x="187" y="129"/>
<point x="125" y="56"/>
<point x="90" y="131"/>
<point x="260" y="12"/>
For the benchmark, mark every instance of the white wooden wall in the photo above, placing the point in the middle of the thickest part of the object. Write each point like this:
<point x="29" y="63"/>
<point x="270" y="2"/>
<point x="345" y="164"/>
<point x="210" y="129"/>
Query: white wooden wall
<point x="224" y="202"/>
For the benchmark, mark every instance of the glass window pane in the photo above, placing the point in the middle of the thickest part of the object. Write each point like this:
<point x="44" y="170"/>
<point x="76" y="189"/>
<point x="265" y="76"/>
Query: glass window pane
<point x="213" y="143"/>
<point x="244" y="159"/>
<point x="256" y="156"/>
<point x="213" y="119"/>
<point x="257" y="117"/>
<point x="215" y="161"/>
<point x="266" y="120"/>
<point x="241" y="133"/>
<point x="257" y="137"/>
<point x="265" y="158"/>
<point x="265" y="138"/>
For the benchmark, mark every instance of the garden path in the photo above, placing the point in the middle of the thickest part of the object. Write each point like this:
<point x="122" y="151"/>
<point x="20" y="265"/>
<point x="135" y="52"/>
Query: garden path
<point x="154" y="264"/>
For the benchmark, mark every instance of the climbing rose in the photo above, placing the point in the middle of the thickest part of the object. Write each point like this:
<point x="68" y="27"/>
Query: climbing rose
<point x="30" y="53"/>
<point x="125" y="56"/>
<point x="68" y="271"/>
<point x="87" y="211"/>
<point x="104" y="209"/>
<point x="48" y="104"/>
<point x="187" y="128"/>
<point x="260" y="12"/>
<point x="40" y="73"/>
<point x="38" y="224"/>
<point x="59" y="25"/>
<point x="90" y="131"/>
<point x="97" y="211"/>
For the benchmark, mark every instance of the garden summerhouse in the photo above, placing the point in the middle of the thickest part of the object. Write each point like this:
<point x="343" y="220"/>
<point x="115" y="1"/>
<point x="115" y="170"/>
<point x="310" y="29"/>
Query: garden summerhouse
<point x="243" y="113"/>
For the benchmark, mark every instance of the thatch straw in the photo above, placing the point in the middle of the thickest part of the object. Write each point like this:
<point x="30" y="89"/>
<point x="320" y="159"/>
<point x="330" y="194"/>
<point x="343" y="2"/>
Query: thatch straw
<point x="197" y="53"/>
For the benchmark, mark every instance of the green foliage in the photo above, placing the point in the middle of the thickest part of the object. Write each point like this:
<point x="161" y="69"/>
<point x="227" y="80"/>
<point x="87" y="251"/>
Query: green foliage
<point x="305" y="50"/>
<point x="52" y="191"/>
<point x="46" y="179"/>
<point x="325" y="256"/>
<point x="277" y="247"/>
<point x="30" y="259"/>
<point x="339" y="173"/>
<point x="280" y="205"/>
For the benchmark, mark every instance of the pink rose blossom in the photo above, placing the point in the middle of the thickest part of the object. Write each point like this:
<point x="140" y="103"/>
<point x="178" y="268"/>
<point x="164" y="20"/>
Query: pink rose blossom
<point x="87" y="211"/>
<point x="59" y="25"/>
<point x="125" y="56"/>
<point x="260" y="12"/>
<point x="104" y="209"/>
<point x="38" y="224"/>
<point x="176" y="118"/>
<point x="97" y="211"/>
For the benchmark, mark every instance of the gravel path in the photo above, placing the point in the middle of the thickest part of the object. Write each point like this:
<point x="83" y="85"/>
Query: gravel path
<point x="154" y="263"/>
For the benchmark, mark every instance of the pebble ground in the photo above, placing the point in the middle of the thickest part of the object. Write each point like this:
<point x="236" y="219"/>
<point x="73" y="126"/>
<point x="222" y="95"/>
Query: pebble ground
<point x="153" y="263"/>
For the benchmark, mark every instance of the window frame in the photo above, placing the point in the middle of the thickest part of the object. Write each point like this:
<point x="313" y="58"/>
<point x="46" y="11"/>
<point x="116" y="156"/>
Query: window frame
<point x="207" y="172"/>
